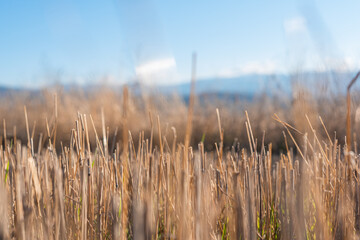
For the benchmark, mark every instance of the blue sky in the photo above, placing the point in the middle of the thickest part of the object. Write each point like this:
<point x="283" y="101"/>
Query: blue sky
<point x="43" y="42"/>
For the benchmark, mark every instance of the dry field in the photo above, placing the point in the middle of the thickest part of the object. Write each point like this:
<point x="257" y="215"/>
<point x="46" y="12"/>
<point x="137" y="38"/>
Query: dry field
<point x="107" y="165"/>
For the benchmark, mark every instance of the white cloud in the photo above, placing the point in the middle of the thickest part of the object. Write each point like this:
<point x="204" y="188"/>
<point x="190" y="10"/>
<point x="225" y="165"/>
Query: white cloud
<point x="155" y="66"/>
<point x="159" y="71"/>
<point x="345" y="64"/>
<point x="352" y="63"/>
<point x="295" y="25"/>
<point x="254" y="67"/>
<point x="267" y="67"/>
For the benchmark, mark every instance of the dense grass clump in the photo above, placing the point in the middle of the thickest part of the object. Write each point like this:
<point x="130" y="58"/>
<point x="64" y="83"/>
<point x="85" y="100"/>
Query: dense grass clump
<point x="123" y="174"/>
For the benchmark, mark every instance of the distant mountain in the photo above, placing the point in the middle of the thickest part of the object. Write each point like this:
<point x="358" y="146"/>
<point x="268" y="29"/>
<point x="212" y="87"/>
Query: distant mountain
<point x="249" y="85"/>
<point x="246" y="85"/>
<point x="5" y="91"/>
<point x="239" y="87"/>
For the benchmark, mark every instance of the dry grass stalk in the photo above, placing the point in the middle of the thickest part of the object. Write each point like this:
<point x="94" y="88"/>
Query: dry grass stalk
<point x="146" y="186"/>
